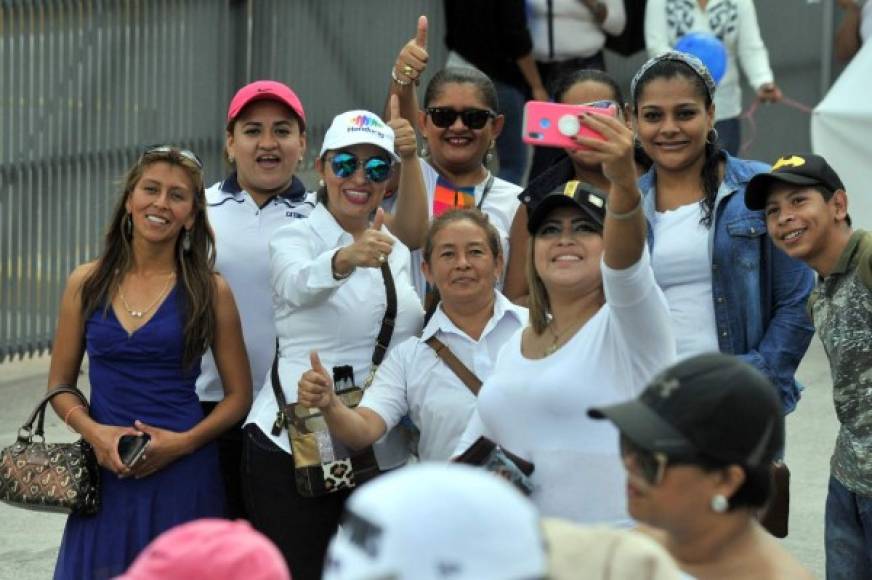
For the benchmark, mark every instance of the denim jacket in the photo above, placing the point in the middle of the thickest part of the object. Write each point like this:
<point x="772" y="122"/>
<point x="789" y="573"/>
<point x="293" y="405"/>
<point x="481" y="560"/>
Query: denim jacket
<point x="759" y="292"/>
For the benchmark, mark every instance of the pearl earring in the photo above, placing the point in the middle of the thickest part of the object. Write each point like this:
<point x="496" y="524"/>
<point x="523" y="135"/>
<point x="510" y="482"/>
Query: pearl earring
<point x="720" y="504"/>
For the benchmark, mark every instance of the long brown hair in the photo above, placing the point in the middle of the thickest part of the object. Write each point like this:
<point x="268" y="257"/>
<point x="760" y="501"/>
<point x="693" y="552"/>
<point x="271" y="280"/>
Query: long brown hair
<point x="538" y="301"/>
<point x="195" y="267"/>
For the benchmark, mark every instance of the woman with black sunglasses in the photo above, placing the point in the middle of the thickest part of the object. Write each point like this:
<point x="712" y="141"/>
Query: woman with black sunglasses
<point x="459" y="125"/>
<point x="145" y="310"/>
<point x="698" y="446"/>
<point x="330" y="295"/>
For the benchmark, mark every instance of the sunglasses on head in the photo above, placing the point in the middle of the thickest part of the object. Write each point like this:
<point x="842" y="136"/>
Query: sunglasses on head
<point x="186" y="153"/>
<point x="376" y="169"/>
<point x="444" y="117"/>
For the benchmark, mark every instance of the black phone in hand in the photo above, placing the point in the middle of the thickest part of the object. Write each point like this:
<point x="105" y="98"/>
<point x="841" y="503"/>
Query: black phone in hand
<point x="131" y="448"/>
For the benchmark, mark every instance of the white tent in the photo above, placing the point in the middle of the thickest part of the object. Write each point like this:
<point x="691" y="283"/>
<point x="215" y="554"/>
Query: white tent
<point x="841" y="131"/>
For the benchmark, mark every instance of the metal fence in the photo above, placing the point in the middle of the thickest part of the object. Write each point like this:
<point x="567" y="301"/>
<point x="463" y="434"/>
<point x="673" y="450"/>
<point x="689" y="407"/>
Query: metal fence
<point x="86" y="85"/>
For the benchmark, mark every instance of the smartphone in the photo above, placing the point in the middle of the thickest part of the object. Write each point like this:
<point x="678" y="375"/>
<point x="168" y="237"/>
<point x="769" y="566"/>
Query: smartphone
<point x="554" y="124"/>
<point x="131" y="448"/>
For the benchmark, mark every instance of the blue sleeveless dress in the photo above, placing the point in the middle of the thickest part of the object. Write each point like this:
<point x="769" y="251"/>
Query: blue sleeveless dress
<point x="140" y="376"/>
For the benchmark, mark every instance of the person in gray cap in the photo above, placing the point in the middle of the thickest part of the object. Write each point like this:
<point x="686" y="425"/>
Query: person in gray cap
<point x="806" y="211"/>
<point x="697" y="445"/>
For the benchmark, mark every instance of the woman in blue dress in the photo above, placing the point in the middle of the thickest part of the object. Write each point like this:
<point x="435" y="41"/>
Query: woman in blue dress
<point x="145" y="311"/>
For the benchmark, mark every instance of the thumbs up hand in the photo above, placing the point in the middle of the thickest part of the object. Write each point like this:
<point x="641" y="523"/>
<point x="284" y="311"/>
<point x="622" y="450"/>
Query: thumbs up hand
<point x="405" y="140"/>
<point x="315" y="387"/>
<point x="370" y="250"/>
<point x="412" y="60"/>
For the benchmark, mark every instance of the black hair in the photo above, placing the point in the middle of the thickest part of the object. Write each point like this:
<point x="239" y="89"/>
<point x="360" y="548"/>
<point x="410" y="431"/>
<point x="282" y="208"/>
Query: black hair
<point x="462" y="75"/>
<point x="755" y="491"/>
<point x="563" y="83"/>
<point x="710" y="174"/>
<point x="828" y="194"/>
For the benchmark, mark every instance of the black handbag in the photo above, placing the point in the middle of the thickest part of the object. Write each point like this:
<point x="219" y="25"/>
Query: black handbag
<point x="323" y="464"/>
<point x="53" y="477"/>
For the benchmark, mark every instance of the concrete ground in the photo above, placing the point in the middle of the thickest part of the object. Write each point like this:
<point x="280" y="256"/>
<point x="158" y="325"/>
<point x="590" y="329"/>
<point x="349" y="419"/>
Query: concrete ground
<point x="29" y="540"/>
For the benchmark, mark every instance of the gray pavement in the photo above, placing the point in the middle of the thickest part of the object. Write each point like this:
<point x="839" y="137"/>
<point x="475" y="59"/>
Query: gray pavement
<point x="29" y="540"/>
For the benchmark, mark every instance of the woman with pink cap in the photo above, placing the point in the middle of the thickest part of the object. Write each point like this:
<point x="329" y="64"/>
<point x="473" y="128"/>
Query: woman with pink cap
<point x="265" y="143"/>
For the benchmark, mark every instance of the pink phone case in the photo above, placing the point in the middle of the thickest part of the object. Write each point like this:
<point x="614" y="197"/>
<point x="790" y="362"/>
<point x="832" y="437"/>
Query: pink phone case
<point x="554" y="124"/>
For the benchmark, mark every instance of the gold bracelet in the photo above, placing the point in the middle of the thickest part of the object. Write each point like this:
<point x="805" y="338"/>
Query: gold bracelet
<point x="397" y="80"/>
<point x="626" y="215"/>
<point x="67" y="416"/>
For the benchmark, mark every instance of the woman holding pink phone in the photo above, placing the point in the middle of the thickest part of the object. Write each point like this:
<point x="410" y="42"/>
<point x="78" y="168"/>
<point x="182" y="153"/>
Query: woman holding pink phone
<point x="577" y="88"/>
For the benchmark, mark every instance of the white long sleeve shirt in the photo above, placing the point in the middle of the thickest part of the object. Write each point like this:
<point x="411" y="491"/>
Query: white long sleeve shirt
<point x="734" y="22"/>
<point x="414" y="381"/>
<point x="537" y="408"/>
<point x="339" y="319"/>
<point x="576" y="31"/>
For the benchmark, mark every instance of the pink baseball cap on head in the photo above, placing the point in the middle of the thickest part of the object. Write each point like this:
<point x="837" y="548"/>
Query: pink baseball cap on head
<point x="266" y="91"/>
<point x="211" y="549"/>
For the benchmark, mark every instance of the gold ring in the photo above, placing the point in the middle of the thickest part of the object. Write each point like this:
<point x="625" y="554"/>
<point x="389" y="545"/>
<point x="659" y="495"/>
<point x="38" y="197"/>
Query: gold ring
<point x="381" y="258"/>
<point x="407" y="70"/>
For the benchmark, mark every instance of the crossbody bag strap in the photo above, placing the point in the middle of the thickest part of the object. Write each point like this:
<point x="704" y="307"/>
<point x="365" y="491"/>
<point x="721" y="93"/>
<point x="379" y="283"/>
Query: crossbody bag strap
<point x="281" y="421"/>
<point x="472" y="382"/>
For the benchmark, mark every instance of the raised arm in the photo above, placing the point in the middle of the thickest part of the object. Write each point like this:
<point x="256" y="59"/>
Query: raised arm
<point x="411" y="216"/>
<point x="407" y="72"/>
<point x="356" y="428"/>
<point x="624" y="229"/>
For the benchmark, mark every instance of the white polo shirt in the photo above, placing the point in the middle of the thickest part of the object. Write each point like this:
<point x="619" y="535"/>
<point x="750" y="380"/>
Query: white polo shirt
<point x="500" y="204"/>
<point x="242" y="234"/>
<point x="414" y="381"/>
<point x="339" y="319"/>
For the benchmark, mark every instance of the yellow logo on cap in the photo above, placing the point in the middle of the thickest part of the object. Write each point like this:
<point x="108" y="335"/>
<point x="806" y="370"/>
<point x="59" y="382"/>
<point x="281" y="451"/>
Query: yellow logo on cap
<point x="792" y="161"/>
<point x="570" y="188"/>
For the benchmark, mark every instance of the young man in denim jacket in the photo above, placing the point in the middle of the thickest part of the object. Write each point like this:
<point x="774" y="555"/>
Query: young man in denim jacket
<point x="806" y="211"/>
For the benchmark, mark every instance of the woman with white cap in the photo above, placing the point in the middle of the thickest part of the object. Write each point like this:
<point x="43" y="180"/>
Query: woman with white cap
<point x="265" y="143"/>
<point x="331" y="294"/>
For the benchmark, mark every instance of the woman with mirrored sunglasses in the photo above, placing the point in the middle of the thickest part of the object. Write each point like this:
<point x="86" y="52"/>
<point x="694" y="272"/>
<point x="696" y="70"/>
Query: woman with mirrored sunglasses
<point x="144" y="311"/>
<point x="599" y="329"/>
<point x="265" y="143"/>
<point x="459" y="124"/>
<point x="329" y="296"/>
<point x="698" y="445"/>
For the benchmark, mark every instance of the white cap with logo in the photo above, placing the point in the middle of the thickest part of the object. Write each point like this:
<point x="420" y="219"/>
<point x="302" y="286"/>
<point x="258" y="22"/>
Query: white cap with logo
<point x="438" y="522"/>
<point x="357" y="127"/>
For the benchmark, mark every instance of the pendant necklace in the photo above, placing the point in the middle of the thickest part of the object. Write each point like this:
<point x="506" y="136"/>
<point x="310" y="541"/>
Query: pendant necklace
<point x="555" y="344"/>
<point x="140" y="313"/>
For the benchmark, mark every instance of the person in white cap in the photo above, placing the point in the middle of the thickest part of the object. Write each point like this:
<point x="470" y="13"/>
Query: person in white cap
<point x="330" y="294"/>
<point x="438" y="521"/>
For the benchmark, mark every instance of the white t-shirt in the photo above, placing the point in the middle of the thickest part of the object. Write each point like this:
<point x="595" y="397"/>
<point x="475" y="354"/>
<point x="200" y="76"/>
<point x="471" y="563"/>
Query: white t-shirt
<point x="414" y="381"/>
<point x="682" y="266"/>
<point x="242" y="234"/>
<point x="576" y="31"/>
<point x="339" y="319"/>
<point x="537" y="408"/>
<point x="500" y="204"/>
<point x="734" y="22"/>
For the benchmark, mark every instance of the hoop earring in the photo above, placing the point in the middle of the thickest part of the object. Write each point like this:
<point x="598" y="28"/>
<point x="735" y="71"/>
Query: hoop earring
<point x="127" y="226"/>
<point x="186" y="242"/>
<point x="712" y="137"/>
<point x="720" y="503"/>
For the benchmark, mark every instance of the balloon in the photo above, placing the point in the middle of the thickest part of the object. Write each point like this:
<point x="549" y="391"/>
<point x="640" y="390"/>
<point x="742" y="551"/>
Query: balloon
<point x="709" y="49"/>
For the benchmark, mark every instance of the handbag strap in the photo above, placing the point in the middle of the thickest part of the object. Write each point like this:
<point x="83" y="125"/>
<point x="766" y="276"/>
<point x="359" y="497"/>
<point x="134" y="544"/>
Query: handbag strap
<point x="472" y="382"/>
<point x="39" y="410"/>
<point x="382" y="341"/>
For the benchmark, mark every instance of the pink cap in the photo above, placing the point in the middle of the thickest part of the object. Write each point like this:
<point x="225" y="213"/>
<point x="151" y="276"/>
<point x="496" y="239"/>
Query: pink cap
<point x="209" y="548"/>
<point x="265" y="91"/>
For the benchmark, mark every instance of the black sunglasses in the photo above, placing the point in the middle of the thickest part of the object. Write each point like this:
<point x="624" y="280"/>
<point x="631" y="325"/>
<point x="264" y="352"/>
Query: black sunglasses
<point x="376" y="169"/>
<point x="186" y="153"/>
<point x="444" y="117"/>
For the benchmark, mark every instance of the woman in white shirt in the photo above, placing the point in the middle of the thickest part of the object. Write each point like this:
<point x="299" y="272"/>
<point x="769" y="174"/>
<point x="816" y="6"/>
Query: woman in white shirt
<point x="462" y="259"/>
<point x="734" y="22"/>
<point x="459" y="125"/>
<point x="328" y="295"/>
<point x="599" y="328"/>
